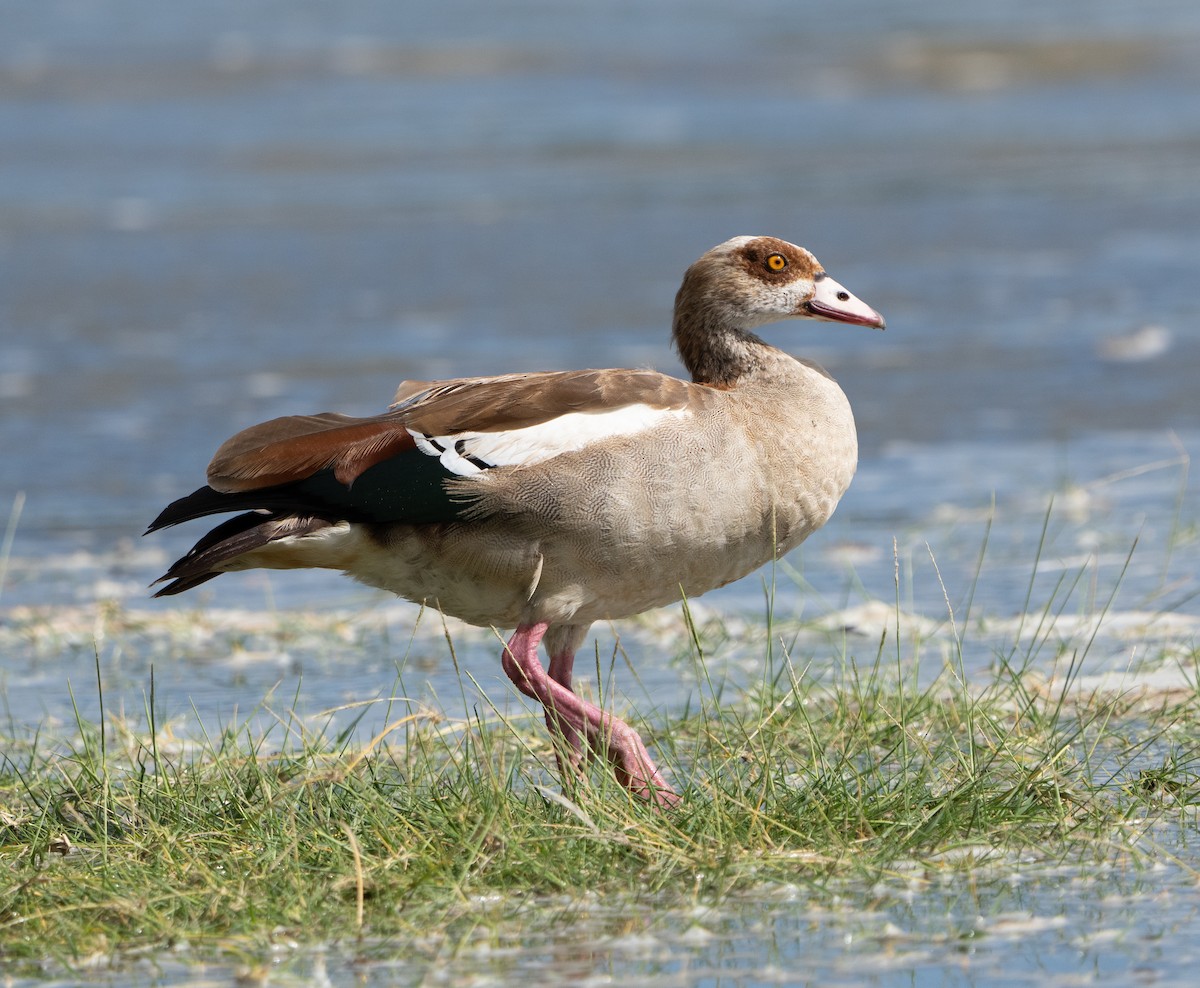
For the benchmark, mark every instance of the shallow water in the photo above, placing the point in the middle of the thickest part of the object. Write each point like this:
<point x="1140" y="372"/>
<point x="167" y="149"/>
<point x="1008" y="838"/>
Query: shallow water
<point x="1017" y="922"/>
<point x="211" y="214"/>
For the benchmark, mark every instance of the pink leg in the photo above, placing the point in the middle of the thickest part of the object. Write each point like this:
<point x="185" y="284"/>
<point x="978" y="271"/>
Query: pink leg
<point x="574" y="719"/>
<point x="562" y="641"/>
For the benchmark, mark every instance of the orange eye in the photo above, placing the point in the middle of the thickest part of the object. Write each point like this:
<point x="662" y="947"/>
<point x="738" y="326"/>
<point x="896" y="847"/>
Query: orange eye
<point x="776" y="262"/>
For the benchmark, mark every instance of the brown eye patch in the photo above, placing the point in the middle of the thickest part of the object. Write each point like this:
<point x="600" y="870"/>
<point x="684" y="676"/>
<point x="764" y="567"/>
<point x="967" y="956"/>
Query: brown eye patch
<point x="775" y="261"/>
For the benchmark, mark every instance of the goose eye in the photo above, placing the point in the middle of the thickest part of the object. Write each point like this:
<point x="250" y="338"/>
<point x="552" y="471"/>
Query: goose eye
<point x="777" y="262"/>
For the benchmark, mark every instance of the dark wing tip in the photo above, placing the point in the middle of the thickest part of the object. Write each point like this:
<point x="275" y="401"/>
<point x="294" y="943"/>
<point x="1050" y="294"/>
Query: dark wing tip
<point x="181" y="584"/>
<point x="202" y="501"/>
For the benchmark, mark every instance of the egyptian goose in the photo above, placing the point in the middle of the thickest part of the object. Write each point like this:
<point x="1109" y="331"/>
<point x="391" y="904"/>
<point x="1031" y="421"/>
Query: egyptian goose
<point x="547" y="501"/>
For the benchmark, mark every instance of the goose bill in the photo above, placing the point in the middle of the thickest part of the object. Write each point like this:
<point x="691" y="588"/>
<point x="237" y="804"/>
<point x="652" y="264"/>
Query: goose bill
<point x="831" y="301"/>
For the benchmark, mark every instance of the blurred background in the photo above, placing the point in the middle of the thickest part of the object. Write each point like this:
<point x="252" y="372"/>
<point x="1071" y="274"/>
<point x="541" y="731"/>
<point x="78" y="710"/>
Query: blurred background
<point x="215" y="213"/>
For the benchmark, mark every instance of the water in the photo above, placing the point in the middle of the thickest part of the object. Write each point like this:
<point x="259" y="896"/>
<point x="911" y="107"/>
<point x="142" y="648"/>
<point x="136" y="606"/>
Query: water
<point x="211" y="214"/>
<point x="1015" y="924"/>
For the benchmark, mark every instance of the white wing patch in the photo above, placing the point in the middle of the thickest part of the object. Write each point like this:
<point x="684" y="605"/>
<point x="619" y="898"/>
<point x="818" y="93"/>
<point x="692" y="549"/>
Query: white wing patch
<point x="468" y="453"/>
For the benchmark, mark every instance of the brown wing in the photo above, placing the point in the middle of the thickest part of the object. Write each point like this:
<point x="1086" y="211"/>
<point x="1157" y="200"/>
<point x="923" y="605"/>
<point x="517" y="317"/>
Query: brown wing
<point x="297" y="446"/>
<point x="513" y="401"/>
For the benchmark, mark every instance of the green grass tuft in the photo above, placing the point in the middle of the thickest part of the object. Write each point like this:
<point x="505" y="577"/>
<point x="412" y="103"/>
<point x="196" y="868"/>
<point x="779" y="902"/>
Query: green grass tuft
<point x="128" y="838"/>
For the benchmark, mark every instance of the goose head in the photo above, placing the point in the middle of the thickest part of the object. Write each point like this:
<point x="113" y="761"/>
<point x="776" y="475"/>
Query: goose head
<point x="745" y="283"/>
<point x="748" y="282"/>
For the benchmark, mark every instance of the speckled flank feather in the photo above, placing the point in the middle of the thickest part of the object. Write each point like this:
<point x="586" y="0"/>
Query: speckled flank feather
<point x="547" y="501"/>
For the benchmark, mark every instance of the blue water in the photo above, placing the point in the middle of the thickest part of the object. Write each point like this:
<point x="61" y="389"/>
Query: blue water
<point x="215" y="213"/>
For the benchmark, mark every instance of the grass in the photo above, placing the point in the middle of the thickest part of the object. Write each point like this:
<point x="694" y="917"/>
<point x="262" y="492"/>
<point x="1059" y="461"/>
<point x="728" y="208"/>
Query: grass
<point x="126" y="839"/>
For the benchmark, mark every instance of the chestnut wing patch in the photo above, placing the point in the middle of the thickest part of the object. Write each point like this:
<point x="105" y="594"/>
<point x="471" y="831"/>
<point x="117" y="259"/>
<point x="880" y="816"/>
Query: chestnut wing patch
<point x="297" y="446"/>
